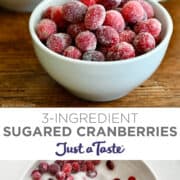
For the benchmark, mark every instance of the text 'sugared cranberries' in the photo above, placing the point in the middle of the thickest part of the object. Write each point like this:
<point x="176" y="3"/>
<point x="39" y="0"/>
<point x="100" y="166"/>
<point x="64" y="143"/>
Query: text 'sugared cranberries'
<point x="74" y="53"/>
<point x="67" y="168"/>
<point x="60" y="175"/>
<point x="133" y="12"/>
<point x="53" y="168"/>
<point x="58" y="42"/>
<point x="89" y="2"/>
<point x="110" y="4"/>
<point x="115" y="20"/>
<point x="120" y="51"/>
<point x="127" y="36"/>
<point x="131" y="178"/>
<point x="57" y="16"/>
<point x="43" y="167"/>
<point x="93" y="56"/>
<point x="152" y="26"/>
<point x="75" y="29"/>
<point x="74" y="11"/>
<point x="36" y="175"/>
<point x="47" y="12"/>
<point x="107" y="36"/>
<point x="45" y="28"/>
<point x="95" y="17"/>
<point x="144" y="42"/>
<point x="110" y="165"/>
<point x="91" y="174"/>
<point x="86" y="41"/>
<point x="70" y="178"/>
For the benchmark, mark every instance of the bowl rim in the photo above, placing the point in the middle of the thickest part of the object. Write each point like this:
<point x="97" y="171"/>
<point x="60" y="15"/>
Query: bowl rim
<point x="39" y="10"/>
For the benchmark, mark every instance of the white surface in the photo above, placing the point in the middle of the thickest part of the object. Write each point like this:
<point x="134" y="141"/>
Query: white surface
<point x="101" y="81"/>
<point x="166" y="170"/>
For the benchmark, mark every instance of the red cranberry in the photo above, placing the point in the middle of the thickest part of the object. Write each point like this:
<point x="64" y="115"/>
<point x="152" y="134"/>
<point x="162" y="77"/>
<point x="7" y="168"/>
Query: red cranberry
<point x="131" y="178"/>
<point x="75" y="29"/>
<point x="110" y="4"/>
<point x="72" y="52"/>
<point x="60" y="175"/>
<point x="91" y="174"/>
<point x="36" y="175"/>
<point x="96" y="162"/>
<point x="54" y="168"/>
<point x="93" y="56"/>
<point x="89" y="2"/>
<point x="90" y="166"/>
<point x="70" y="178"/>
<point x="75" y="167"/>
<point x="110" y="165"/>
<point x="116" y="179"/>
<point x="43" y="167"/>
<point x="67" y="168"/>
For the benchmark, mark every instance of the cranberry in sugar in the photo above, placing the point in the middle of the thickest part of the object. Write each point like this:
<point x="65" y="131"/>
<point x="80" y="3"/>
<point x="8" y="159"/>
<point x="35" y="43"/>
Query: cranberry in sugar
<point x="36" y="175"/>
<point x="43" y="167"/>
<point x="110" y="165"/>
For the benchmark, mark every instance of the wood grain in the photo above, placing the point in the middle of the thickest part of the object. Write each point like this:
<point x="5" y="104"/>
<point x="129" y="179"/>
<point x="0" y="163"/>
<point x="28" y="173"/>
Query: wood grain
<point x="23" y="82"/>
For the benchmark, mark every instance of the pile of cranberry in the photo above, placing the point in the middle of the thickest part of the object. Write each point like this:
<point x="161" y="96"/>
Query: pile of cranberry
<point x="63" y="170"/>
<point x="100" y="30"/>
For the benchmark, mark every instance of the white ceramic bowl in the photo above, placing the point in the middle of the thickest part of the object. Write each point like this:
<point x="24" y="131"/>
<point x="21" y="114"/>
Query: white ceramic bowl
<point x="123" y="169"/>
<point x="19" y="5"/>
<point x="101" y="81"/>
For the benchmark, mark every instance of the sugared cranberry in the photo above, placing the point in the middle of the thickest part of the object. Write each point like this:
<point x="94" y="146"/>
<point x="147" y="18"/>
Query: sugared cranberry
<point x="127" y="36"/>
<point x="152" y="26"/>
<point x="60" y="163"/>
<point x="60" y="175"/>
<point x="86" y="41"/>
<point x="107" y="36"/>
<point x="58" y="42"/>
<point x="95" y="17"/>
<point x="53" y="168"/>
<point x="43" y="167"/>
<point x="115" y="20"/>
<point x="47" y="13"/>
<point x="116" y="179"/>
<point x="90" y="166"/>
<point x="83" y="167"/>
<point x="110" y="165"/>
<point x="144" y="42"/>
<point x="110" y="4"/>
<point x="45" y="28"/>
<point x="75" y="167"/>
<point x="72" y="52"/>
<point x="74" y="11"/>
<point x="93" y="56"/>
<point x="148" y="9"/>
<point x="75" y="29"/>
<point x="57" y="16"/>
<point x="67" y="168"/>
<point x="96" y="162"/>
<point x="36" y="175"/>
<point x="89" y="2"/>
<point x="133" y="12"/>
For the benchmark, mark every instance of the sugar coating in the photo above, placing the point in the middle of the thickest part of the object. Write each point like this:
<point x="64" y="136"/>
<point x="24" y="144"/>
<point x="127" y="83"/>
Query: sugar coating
<point x="115" y="20"/>
<point x="89" y="2"/>
<point x="110" y="4"/>
<point x="45" y="28"/>
<point x="127" y="36"/>
<point x="133" y="12"/>
<point x="151" y="25"/>
<point x="58" y="42"/>
<point x="121" y="51"/>
<point x="95" y="17"/>
<point x="74" y="11"/>
<point x="57" y="16"/>
<point x="107" y="36"/>
<point x="148" y="9"/>
<point x="144" y="42"/>
<point x="72" y="52"/>
<point x="93" y="56"/>
<point x="47" y="13"/>
<point x="86" y="41"/>
<point x="75" y="29"/>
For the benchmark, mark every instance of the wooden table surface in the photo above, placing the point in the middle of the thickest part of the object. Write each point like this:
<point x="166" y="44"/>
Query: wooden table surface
<point x="24" y="83"/>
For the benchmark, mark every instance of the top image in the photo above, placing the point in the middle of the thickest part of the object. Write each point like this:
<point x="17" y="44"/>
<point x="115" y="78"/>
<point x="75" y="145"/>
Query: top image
<point x="89" y="53"/>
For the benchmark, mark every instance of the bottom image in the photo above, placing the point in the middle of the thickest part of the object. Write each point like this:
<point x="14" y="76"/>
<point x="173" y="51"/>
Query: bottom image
<point x="90" y="170"/>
